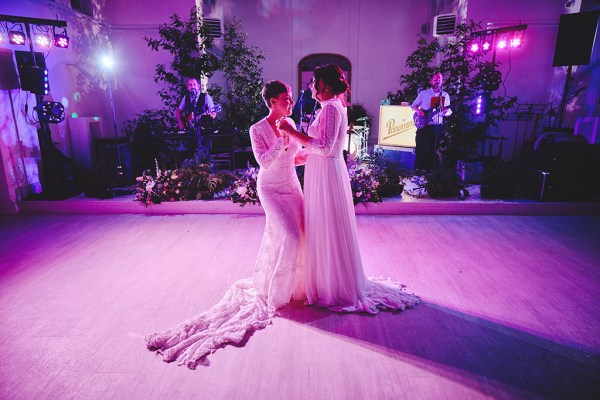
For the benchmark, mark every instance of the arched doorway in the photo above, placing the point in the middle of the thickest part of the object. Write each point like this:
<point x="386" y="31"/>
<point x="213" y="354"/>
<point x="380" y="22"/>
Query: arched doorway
<point x="308" y="64"/>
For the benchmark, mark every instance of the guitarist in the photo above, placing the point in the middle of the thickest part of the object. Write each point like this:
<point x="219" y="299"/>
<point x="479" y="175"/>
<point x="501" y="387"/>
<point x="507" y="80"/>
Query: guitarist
<point x="431" y="106"/>
<point x="194" y="106"/>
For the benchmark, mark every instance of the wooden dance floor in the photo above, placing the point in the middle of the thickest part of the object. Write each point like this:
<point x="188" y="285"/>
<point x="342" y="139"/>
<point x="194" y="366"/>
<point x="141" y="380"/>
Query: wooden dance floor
<point x="510" y="310"/>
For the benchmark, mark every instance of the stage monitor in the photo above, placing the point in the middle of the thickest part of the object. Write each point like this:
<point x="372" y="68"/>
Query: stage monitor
<point x="575" y="40"/>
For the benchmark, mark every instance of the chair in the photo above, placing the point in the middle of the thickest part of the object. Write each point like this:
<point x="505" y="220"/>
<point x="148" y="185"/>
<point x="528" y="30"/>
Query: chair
<point x="222" y="150"/>
<point x="242" y="152"/>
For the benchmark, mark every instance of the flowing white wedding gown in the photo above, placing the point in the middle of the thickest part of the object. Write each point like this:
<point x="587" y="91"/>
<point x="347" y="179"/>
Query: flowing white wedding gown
<point x="333" y="272"/>
<point x="250" y="304"/>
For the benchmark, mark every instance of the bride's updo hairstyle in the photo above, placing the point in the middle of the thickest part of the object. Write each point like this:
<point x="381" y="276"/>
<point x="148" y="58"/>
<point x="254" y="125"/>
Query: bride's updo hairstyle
<point x="333" y="76"/>
<point x="273" y="89"/>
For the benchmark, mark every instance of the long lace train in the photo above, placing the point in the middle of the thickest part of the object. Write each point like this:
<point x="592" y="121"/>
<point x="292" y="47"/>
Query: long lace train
<point x="239" y="312"/>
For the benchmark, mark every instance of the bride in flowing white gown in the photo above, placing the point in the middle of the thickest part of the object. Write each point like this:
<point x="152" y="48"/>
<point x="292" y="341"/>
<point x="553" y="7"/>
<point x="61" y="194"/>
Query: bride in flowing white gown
<point x="250" y="304"/>
<point x="333" y="270"/>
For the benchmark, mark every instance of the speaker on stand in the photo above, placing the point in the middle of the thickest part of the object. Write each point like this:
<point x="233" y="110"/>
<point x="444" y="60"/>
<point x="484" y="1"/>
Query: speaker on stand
<point x="574" y="45"/>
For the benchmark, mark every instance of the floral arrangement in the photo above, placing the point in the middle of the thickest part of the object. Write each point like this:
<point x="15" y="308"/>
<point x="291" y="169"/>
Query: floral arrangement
<point x="439" y="183"/>
<point x="364" y="183"/>
<point x="378" y="177"/>
<point x="370" y="181"/>
<point x="244" y="188"/>
<point x="181" y="184"/>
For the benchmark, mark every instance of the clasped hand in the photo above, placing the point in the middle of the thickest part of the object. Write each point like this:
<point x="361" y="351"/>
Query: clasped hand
<point x="284" y="126"/>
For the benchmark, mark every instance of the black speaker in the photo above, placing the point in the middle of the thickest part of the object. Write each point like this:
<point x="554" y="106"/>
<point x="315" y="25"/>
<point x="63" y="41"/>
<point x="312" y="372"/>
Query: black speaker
<point x="575" y="40"/>
<point x="34" y="80"/>
<point x="33" y="76"/>
<point x="8" y="73"/>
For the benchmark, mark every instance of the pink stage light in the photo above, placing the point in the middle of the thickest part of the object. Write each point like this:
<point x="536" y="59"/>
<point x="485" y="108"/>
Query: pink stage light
<point x="502" y="44"/>
<point x="486" y="46"/>
<point x="61" y="41"/>
<point x="474" y="47"/>
<point x="516" y="42"/>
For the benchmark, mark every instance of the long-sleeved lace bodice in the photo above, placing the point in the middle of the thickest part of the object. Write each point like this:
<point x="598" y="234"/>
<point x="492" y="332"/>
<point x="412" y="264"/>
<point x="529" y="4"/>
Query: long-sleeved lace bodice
<point x="250" y="304"/>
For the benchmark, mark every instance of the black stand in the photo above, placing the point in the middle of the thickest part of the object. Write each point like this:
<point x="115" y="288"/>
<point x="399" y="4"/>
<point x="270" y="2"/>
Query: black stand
<point x="563" y="103"/>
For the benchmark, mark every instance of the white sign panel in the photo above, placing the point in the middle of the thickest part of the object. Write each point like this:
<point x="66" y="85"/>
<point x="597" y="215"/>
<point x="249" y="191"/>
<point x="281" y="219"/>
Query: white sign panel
<point x="396" y="126"/>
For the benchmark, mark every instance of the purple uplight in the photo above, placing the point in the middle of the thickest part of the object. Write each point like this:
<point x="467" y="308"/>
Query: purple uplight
<point x="61" y="41"/>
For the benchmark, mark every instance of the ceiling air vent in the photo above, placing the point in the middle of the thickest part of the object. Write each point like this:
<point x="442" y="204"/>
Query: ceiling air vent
<point x="214" y="27"/>
<point x="444" y="25"/>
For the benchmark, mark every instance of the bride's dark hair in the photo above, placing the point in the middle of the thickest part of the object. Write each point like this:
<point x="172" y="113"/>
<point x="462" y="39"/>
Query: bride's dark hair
<point x="333" y="76"/>
<point x="272" y="89"/>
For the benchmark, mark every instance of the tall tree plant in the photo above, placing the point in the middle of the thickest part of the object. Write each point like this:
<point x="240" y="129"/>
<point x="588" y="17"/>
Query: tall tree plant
<point x="190" y="46"/>
<point x="241" y="66"/>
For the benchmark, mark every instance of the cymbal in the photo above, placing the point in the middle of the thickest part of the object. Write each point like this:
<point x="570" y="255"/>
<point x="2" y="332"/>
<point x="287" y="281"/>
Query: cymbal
<point x="363" y="119"/>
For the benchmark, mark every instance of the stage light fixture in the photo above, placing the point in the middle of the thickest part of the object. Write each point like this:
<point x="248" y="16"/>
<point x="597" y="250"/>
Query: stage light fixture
<point x="478" y="105"/>
<point x="486" y="46"/>
<point x="61" y="41"/>
<point x="515" y="42"/>
<point x="502" y="44"/>
<point x="41" y="40"/>
<point x="50" y="111"/>
<point x="16" y="37"/>
<point x="474" y="47"/>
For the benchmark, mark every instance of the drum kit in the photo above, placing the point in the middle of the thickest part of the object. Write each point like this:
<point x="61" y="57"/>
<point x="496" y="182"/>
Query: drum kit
<point x="357" y="143"/>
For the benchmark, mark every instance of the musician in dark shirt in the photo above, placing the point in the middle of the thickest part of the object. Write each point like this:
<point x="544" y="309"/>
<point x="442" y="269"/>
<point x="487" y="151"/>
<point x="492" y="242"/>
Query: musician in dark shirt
<point x="194" y="106"/>
<point x="431" y="105"/>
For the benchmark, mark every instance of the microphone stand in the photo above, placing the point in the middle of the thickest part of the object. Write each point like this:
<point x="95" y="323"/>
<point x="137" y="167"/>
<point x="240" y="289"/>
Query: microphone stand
<point x="301" y="105"/>
<point x="436" y="127"/>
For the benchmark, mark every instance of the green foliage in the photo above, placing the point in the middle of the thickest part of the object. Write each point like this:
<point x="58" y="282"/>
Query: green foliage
<point x="189" y="46"/>
<point x="440" y="182"/>
<point x="149" y="121"/>
<point x="193" y="54"/>
<point x="420" y="63"/>
<point x="241" y="65"/>
<point x="198" y="183"/>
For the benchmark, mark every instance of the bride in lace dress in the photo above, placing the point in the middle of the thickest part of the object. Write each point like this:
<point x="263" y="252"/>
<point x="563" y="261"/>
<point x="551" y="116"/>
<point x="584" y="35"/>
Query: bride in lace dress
<point x="250" y="304"/>
<point x="333" y="270"/>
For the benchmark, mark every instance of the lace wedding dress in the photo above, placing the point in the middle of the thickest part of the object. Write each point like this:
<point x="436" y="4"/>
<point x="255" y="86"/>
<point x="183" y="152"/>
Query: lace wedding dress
<point x="334" y="275"/>
<point x="250" y="304"/>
